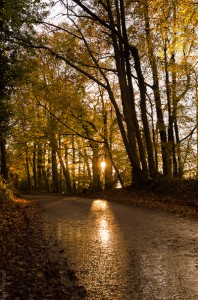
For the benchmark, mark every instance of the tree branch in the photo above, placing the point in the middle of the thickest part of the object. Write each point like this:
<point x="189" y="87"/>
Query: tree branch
<point x="64" y="124"/>
<point x="189" y="135"/>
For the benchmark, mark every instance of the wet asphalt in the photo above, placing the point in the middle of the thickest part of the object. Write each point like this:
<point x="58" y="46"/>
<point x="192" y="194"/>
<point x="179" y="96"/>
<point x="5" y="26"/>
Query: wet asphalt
<point x="120" y="252"/>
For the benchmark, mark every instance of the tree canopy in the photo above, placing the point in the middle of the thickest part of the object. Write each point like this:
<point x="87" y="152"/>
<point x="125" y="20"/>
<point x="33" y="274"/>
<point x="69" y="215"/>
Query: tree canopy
<point x="112" y="81"/>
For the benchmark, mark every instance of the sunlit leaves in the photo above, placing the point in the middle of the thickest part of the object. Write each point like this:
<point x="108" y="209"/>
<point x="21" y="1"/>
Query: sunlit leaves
<point x="69" y="84"/>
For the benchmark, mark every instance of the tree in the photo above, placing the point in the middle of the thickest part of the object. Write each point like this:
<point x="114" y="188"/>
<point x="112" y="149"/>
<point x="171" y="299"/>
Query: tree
<point x="64" y="120"/>
<point x="99" y="70"/>
<point x="94" y="70"/>
<point x="15" y="18"/>
<point x="170" y="42"/>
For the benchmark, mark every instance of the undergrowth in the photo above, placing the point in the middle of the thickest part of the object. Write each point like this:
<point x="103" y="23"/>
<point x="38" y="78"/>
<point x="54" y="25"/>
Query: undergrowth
<point x="6" y="192"/>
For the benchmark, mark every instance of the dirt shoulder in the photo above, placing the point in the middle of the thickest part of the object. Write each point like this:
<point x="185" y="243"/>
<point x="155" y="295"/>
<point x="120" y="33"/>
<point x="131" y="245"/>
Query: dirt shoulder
<point x="29" y="268"/>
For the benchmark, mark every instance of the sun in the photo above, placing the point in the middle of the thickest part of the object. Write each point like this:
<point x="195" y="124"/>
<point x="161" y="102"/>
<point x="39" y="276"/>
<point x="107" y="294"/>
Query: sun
<point x="103" y="165"/>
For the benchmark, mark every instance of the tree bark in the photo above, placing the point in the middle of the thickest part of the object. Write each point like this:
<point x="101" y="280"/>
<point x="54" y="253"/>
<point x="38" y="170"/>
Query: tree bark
<point x="34" y="166"/>
<point x="171" y="140"/>
<point x="156" y="90"/>
<point x="96" y="183"/>
<point x="73" y="172"/>
<point x="142" y="88"/>
<point x="3" y="156"/>
<point x="55" y="179"/>
<point x="39" y="166"/>
<point x="127" y="97"/>
<point x="28" y="168"/>
<point x="66" y="173"/>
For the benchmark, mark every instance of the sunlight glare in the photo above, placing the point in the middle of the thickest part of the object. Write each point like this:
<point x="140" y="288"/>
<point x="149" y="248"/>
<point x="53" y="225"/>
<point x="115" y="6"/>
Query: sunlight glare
<point x="104" y="231"/>
<point x="103" y="165"/>
<point x="99" y="205"/>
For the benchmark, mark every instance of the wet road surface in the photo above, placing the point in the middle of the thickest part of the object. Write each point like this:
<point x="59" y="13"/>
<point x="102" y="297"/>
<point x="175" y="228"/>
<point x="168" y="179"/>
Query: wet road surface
<point x="120" y="252"/>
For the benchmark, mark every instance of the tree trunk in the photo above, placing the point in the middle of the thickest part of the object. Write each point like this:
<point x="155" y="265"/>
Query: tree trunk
<point x="55" y="177"/>
<point x="108" y="166"/>
<point x="96" y="183"/>
<point x="34" y="166"/>
<point x="73" y="171"/>
<point x="65" y="173"/>
<point x="156" y="90"/>
<point x="39" y="166"/>
<point x="3" y="156"/>
<point x="127" y="97"/>
<point x="197" y="123"/>
<point x="171" y="140"/>
<point x="47" y="185"/>
<point x="125" y="49"/>
<point x="28" y="169"/>
<point x="87" y="164"/>
<point x="149" y="145"/>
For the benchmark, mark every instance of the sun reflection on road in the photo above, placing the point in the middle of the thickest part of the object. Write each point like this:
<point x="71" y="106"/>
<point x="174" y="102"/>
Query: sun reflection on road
<point x="102" y="210"/>
<point x="98" y="205"/>
<point x="119" y="252"/>
<point x="104" y="231"/>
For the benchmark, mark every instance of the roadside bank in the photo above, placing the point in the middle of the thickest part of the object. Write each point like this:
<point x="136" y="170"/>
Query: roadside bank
<point x="173" y="196"/>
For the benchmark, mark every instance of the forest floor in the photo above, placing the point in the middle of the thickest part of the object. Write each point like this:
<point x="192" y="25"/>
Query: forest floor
<point x="33" y="268"/>
<point x="30" y="266"/>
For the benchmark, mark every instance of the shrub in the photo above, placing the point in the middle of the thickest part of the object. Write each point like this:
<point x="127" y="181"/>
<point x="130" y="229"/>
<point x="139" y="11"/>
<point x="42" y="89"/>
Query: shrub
<point x="6" y="192"/>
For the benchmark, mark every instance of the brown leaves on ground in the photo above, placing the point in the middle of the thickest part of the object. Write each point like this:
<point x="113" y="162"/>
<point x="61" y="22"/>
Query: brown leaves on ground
<point x="28" y="269"/>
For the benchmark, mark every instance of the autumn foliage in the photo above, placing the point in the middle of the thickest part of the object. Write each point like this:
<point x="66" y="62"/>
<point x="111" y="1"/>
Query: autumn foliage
<point x="112" y="81"/>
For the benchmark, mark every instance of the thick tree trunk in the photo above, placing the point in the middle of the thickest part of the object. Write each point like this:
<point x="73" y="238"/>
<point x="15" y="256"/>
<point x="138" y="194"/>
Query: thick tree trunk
<point x="149" y="145"/>
<point x="132" y="128"/>
<point x="156" y="90"/>
<point x="129" y="103"/>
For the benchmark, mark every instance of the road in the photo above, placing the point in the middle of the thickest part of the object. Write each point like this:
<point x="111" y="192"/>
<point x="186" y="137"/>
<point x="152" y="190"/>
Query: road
<point x="120" y="252"/>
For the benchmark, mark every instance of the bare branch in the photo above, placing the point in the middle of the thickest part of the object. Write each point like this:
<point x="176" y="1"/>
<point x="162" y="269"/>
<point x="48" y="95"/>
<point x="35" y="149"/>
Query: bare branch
<point x="189" y="135"/>
<point x="65" y="125"/>
<point x="27" y="43"/>
<point x="59" y="28"/>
